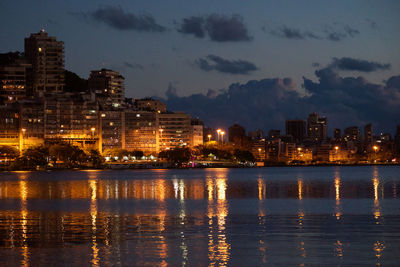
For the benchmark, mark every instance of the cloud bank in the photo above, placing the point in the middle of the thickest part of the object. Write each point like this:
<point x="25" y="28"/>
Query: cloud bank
<point x="117" y="18"/>
<point x="267" y="103"/>
<point x="219" y="28"/>
<point x="212" y="62"/>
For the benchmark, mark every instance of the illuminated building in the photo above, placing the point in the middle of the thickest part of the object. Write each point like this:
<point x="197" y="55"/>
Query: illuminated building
<point x="352" y="134"/>
<point x="297" y="129"/>
<point x="32" y="122"/>
<point x="14" y="73"/>
<point x="337" y="135"/>
<point x="72" y="118"/>
<point x="111" y="127"/>
<point x="174" y="130"/>
<point x="321" y="153"/>
<point x="46" y="55"/>
<point x="108" y="86"/>
<point x="317" y="128"/>
<point x="149" y="104"/>
<point x="196" y="133"/>
<point x="141" y="132"/>
<point x="9" y="126"/>
<point x="258" y="149"/>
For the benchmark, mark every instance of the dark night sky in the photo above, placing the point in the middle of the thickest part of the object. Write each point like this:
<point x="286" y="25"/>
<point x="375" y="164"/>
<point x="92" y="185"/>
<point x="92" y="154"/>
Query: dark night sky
<point x="341" y="58"/>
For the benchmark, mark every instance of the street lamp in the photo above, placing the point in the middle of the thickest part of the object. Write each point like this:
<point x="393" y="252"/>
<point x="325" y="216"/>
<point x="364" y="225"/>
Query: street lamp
<point x="209" y="137"/>
<point x="375" y="148"/>
<point x="23" y="138"/>
<point x="93" y="129"/>
<point x="218" y="132"/>
<point x="222" y="136"/>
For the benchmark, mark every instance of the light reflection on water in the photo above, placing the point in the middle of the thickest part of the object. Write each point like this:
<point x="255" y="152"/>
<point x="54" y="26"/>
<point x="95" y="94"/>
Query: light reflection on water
<point x="214" y="217"/>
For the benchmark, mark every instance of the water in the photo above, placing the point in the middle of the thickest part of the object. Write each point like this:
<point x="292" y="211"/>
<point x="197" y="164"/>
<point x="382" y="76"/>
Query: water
<point x="312" y="216"/>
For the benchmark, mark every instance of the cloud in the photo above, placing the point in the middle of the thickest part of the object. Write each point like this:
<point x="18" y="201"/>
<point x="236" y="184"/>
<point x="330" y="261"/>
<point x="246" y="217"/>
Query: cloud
<point x="352" y="64"/>
<point x="117" y="18"/>
<point x="371" y="23"/>
<point x="219" y="28"/>
<point x="293" y="33"/>
<point x="212" y="62"/>
<point x="193" y="25"/>
<point x="351" y="31"/>
<point x="133" y="66"/>
<point x="267" y="103"/>
<point x="337" y="34"/>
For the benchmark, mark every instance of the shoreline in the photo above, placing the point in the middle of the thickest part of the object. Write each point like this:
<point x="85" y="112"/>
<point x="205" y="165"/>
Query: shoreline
<point x="124" y="167"/>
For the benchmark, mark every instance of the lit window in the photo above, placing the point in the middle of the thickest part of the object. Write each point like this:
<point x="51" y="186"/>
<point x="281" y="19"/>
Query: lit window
<point x="103" y="115"/>
<point x="40" y="49"/>
<point x="138" y="115"/>
<point x="111" y="123"/>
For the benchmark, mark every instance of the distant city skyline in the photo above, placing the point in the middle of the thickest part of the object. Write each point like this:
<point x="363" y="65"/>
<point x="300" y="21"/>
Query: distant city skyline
<point x="187" y="52"/>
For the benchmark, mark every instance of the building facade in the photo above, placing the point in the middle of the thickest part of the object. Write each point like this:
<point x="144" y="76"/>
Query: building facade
<point x="46" y="55"/>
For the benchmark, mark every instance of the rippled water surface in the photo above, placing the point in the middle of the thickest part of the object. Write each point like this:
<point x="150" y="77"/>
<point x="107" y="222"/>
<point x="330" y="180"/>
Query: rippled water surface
<point x="313" y="216"/>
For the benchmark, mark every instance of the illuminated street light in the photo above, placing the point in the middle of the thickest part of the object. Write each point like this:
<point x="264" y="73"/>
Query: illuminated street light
<point x="218" y="132"/>
<point x="93" y="129"/>
<point x="222" y="135"/>
<point x="209" y="137"/>
<point x="375" y="148"/>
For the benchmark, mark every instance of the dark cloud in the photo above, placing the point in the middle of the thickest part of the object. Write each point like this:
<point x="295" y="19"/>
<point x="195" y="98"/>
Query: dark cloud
<point x="224" y="29"/>
<point x="117" y="18"/>
<point x="267" y="103"/>
<point x="335" y="32"/>
<point x="352" y="64"/>
<point x="339" y="33"/>
<point x="133" y="66"/>
<point x="193" y="25"/>
<point x="212" y="62"/>
<point x="315" y="65"/>
<point x="293" y="33"/>
<point x="219" y="28"/>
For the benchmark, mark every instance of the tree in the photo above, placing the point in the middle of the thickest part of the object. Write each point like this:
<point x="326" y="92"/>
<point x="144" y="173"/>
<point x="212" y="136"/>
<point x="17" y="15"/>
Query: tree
<point x="32" y="158"/>
<point x="95" y="158"/>
<point x="243" y="155"/>
<point x="178" y="156"/>
<point x="8" y="152"/>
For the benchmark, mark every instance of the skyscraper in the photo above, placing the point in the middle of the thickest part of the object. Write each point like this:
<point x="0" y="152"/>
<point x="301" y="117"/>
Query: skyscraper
<point x="46" y="55"/>
<point x="317" y="127"/>
<point x="368" y="134"/>
<point x="297" y="129"/>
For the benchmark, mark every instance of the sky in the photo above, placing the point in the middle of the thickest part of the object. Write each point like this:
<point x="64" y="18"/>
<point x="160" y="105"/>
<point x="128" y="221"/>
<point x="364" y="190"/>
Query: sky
<point x="276" y="59"/>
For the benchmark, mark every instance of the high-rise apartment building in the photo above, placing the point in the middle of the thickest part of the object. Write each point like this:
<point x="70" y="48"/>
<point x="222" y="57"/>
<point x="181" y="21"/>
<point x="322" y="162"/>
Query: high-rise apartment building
<point x="46" y="55"/>
<point x="109" y="87"/>
<point x="317" y="127"/>
<point x="174" y="130"/>
<point x="141" y="132"/>
<point x="297" y="129"/>
<point x="368" y="134"/>
<point x="14" y="73"/>
<point x="196" y="133"/>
